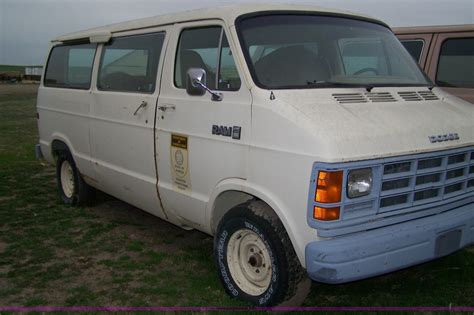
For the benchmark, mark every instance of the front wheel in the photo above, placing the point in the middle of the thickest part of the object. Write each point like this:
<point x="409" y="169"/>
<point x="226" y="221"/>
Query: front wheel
<point x="256" y="260"/>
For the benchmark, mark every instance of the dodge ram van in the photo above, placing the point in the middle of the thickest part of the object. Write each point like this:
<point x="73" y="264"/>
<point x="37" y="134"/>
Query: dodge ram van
<point x="306" y="141"/>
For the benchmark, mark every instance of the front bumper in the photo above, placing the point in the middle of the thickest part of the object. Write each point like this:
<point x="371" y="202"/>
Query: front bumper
<point x="379" y="251"/>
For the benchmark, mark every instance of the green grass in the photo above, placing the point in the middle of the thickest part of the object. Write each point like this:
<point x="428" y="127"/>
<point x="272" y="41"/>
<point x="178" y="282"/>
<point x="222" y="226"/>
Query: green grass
<point x="114" y="254"/>
<point x="12" y="68"/>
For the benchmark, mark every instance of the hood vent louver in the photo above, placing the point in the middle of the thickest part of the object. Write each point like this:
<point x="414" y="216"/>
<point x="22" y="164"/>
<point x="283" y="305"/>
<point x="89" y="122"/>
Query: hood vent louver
<point x="377" y="97"/>
<point x="345" y="98"/>
<point x="380" y="97"/>
<point x="418" y="96"/>
<point x="428" y="95"/>
<point x="410" y="96"/>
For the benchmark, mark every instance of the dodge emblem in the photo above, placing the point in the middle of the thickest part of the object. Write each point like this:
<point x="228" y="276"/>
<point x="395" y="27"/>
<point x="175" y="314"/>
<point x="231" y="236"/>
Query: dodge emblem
<point x="442" y="138"/>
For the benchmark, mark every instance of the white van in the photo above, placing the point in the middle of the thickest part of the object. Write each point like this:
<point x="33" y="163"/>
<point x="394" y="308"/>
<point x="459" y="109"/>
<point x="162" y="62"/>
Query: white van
<point x="307" y="141"/>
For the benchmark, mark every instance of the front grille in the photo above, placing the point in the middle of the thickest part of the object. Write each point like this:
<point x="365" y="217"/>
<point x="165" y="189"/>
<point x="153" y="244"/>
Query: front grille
<point x="420" y="181"/>
<point x="404" y="188"/>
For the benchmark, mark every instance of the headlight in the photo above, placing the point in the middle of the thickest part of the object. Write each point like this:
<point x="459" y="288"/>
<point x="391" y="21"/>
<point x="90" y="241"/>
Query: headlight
<point x="359" y="182"/>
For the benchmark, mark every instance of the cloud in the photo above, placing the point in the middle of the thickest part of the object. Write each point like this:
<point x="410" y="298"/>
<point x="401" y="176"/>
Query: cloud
<point x="27" y="26"/>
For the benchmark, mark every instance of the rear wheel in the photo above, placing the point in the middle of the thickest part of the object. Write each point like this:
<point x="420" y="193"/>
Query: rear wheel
<point x="256" y="260"/>
<point x="68" y="184"/>
<point x="72" y="188"/>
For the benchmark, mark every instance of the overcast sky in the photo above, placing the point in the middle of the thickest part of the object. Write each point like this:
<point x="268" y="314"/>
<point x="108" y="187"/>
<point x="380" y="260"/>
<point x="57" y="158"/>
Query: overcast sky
<point x="27" y="26"/>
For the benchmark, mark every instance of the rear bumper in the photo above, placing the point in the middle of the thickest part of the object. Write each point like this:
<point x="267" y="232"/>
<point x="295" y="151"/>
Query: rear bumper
<point x="379" y="251"/>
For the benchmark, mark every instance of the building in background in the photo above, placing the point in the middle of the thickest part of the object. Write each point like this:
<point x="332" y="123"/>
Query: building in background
<point x="33" y="73"/>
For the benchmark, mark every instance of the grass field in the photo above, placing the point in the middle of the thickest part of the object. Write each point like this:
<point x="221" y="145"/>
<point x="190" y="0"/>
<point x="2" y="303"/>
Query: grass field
<point x="12" y="68"/>
<point x="114" y="254"/>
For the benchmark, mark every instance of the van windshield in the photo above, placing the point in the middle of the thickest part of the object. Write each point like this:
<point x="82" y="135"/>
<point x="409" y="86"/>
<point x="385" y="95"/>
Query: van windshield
<point x="287" y="51"/>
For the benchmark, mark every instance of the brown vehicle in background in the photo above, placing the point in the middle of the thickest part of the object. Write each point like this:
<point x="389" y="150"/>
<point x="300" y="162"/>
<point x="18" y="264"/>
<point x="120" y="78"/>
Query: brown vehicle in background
<point x="445" y="53"/>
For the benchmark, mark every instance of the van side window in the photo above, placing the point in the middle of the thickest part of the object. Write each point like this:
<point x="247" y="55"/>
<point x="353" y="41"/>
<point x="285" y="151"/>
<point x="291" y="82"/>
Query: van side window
<point x="229" y="79"/>
<point x="130" y="64"/>
<point x="456" y="63"/>
<point x="414" y="47"/>
<point x="207" y="48"/>
<point x="70" y="66"/>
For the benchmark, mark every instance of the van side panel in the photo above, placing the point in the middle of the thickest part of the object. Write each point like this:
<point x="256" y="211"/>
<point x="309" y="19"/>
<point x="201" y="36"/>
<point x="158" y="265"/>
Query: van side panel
<point x="63" y="115"/>
<point x="213" y="139"/>
<point x="64" y="102"/>
<point x="122" y="118"/>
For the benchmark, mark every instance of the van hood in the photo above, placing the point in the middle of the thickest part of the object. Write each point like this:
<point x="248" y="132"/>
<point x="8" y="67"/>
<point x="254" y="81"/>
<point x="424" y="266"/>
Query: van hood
<point x="365" y="125"/>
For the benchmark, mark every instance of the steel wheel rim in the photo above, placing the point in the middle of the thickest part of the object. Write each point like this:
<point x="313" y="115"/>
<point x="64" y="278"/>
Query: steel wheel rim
<point x="67" y="179"/>
<point x="249" y="262"/>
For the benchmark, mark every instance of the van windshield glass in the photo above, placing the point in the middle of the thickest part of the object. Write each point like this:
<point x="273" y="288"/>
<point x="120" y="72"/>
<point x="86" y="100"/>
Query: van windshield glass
<point x="311" y="51"/>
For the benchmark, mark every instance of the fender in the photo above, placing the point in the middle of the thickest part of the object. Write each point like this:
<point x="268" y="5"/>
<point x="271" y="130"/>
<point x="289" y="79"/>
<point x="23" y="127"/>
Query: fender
<point x="237" y="184"/>
<point x="83" y="162"/>
<point x="63" y="138"/>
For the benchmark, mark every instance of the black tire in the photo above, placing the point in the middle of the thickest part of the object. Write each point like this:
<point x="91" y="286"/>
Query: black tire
<point x="81" y="194"/>
<point x="288" y="284"/>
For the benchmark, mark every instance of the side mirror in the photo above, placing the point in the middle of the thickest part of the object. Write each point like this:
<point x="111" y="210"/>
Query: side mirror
<point x="196" y="84"/>
<point x="195" y="75"/>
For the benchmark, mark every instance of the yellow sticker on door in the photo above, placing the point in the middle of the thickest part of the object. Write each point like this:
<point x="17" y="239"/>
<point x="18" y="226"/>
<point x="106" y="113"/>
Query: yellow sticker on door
<point x="179" y="163"/>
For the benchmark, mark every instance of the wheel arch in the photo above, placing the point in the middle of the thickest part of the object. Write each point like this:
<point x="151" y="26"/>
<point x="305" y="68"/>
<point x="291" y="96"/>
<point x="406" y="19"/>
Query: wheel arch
<point x="58" y="146"/>
<point x="232" y="192"/>
<point x="59" y="143"/>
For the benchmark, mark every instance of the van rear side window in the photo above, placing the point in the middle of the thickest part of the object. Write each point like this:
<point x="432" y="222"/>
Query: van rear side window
<point x="414" y="47"/>
<point x="70" y="66"/>
<point x="130" y="64"/>
<point x="456" y="63"/>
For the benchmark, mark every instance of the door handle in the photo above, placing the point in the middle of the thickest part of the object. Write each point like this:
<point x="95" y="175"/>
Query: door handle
<point x="167" y="107"/>
<point x="142" y="105"/>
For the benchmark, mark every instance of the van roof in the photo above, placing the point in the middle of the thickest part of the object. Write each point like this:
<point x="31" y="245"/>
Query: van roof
<point x="227" y="13"/>
<point x="434" y="29"/>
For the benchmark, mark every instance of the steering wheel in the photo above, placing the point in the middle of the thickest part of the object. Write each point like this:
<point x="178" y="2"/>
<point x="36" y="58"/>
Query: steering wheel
<point x="366" y="70"/>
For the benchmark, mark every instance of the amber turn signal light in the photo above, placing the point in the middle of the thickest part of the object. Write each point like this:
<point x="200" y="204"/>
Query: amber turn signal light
<point x="326" y="214"/>
<point x="329" y="187"/>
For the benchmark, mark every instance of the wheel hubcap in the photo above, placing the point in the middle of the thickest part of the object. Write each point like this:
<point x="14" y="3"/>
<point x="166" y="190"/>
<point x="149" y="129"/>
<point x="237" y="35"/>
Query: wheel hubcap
<point x="67" y="179"/>
<point x="249" y="262"/>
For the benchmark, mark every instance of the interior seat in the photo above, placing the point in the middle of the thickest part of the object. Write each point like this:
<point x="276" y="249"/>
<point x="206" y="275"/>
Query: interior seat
<point x="191" y="59"/>
<point x="290" y="66"/>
